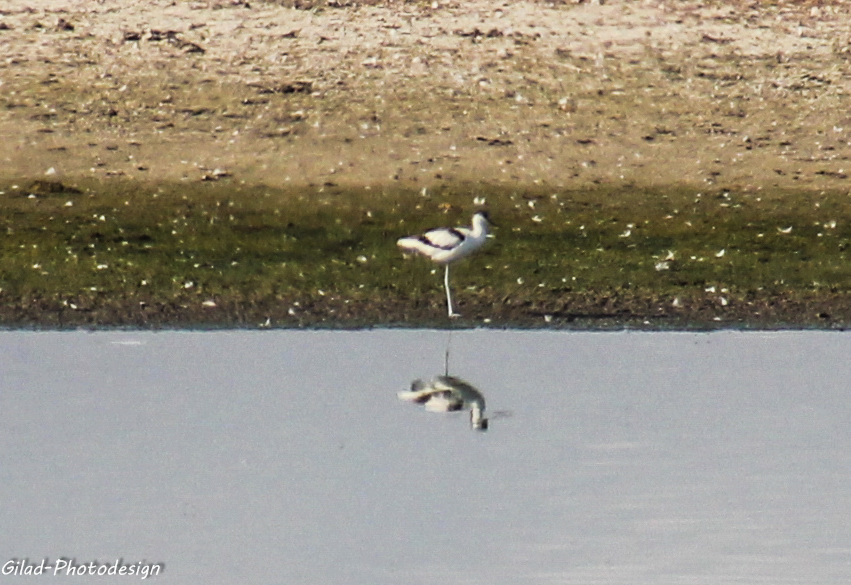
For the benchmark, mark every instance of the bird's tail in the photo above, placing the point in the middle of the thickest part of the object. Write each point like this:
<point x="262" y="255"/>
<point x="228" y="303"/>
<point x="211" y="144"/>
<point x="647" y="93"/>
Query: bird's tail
<point x="418" y="393"/>
<point x="412" y="245"/>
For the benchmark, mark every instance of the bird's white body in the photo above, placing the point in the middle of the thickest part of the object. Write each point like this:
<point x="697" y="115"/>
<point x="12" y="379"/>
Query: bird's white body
<point x="447" y="245"/>
<point x="449" y="394"/>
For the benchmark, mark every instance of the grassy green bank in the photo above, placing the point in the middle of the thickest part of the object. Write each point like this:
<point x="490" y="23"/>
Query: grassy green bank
<point x="221" y="254"/>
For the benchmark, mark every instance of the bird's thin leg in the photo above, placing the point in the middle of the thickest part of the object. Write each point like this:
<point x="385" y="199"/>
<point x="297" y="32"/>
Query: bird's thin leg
<point x="448" y="294"/>
<point x="446" y="355"/>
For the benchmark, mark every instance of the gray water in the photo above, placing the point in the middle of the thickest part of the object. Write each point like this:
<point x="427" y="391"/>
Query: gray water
<point x="285" y="457"/>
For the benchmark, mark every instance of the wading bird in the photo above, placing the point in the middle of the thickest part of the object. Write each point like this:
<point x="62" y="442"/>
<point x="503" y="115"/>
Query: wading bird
<point x="449" y="394"/>
<point x="447" y="245"/>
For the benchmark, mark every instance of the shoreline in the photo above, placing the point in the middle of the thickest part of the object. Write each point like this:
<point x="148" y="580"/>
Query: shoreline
<point x="220" y="254"/>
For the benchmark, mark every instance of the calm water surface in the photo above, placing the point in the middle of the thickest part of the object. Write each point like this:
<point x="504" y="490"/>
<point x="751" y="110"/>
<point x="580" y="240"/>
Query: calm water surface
<point x="286" y="458"/>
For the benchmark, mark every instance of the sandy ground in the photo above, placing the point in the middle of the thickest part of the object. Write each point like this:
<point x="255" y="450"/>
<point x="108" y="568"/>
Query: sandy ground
<point x="737" y="95"/>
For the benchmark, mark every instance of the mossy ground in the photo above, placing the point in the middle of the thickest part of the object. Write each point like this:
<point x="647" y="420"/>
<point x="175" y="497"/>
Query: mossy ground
<point x="650" y="165"/>
<point x="221" y="254"/>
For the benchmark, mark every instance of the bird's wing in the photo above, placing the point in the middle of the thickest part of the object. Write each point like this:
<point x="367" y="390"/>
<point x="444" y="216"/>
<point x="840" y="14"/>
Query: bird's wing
<point x="443" y="402"/>
<point x="444" y="238"/>
<point x="420" y="392"/>
<point x="465" y="391"/>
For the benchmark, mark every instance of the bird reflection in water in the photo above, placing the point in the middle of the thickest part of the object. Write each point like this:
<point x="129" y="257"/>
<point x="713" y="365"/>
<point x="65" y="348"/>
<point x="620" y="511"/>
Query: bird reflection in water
<point x="449" y="394"/>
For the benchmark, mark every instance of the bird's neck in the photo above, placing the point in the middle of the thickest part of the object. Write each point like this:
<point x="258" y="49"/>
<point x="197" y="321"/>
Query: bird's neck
<point x="477" y="418"/>
<point x="480" y="226"/>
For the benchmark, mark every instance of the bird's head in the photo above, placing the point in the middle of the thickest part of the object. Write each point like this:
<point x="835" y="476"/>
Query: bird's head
<point x="482" y="214"/>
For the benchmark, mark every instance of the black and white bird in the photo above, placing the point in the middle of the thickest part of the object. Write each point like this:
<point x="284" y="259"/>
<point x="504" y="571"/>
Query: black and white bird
<point x="449" y="394"/>
<point x="448" y="245"/>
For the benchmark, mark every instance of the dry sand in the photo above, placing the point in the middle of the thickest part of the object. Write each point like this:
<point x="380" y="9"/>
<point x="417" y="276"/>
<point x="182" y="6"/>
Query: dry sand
<point x="726" y="94"/>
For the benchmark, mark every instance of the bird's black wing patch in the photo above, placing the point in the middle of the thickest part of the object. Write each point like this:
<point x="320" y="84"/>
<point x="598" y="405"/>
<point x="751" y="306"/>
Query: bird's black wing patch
<point x="443" y="238"/>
